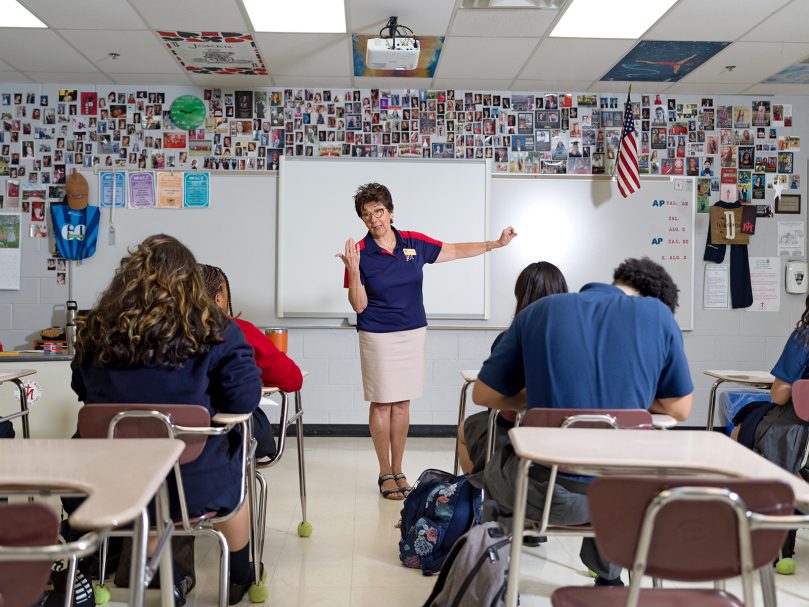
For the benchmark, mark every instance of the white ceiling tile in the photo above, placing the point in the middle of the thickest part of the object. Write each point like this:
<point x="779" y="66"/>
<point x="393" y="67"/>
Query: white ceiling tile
<point x="392" y="83"/>
<point x="786" y="25"/>
<point x="777" y="89"/>
<point x="40" y="51"/>
<point x="754" y="62"/>
<point x="306" y="54"/>
<point x="86" y="14"/>
<point x="717" y="20"/>
<point x="72" y="77"/>
<point x="499" y="58"/>
<point x="552" y="86"/>
<point x="230" y="81"/>
<point x="502" y="22"/>
<point x="147" y="79"/>
<point x="574" y="58"/>
<point x="708" y="88"/>
<point x="192" y="15"/>
<point x="424" y="17"/>
<point x="12" y="77"/>
<point x="319" y="82"/>
<point x="472" y="84"/>
<point x="139" y="51"/>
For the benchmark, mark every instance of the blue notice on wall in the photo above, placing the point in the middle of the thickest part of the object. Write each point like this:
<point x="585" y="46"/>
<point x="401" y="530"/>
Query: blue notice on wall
<point x="197" y="190"/>
<point x="106" y="185"/>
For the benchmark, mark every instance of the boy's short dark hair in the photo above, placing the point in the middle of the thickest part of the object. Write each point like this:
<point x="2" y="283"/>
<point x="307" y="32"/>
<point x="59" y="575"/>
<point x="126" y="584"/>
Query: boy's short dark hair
<point x="649" y="280"/>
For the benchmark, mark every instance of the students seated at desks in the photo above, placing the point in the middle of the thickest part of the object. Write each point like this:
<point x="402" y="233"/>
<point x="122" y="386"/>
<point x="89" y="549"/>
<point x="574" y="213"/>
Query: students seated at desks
<point x="156" y="337"/>
<point x="277" y="369"/>
<point x="773" y="429"/>
<point x="537" y="280"/>
<point x="607" y="346"/>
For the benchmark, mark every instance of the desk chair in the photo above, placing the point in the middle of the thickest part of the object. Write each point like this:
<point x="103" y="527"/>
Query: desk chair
<point x="28" y="546"/>
<point x="284" y="423"/>
<point x="14" y="376"/>
<point x="558" y="418"/>
<point x="192" y="424"/>
<point x="800" y="402"/>
<point x="684" y="529"/>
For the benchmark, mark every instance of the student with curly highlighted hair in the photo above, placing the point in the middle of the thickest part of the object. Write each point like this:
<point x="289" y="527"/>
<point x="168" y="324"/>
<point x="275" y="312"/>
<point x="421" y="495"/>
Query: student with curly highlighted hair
<point x="156" y="337"/>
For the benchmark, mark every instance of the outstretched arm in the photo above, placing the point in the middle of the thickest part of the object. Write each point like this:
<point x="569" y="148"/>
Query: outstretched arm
<point x="460" y="250"/>
<point x="357" y="296"/>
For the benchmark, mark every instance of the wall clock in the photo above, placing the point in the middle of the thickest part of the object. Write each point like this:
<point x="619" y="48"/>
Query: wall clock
<point x="187" y="112"/>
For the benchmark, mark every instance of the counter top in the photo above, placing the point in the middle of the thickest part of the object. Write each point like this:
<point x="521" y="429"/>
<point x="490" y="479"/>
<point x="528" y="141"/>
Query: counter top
<point x="31" y="357"/>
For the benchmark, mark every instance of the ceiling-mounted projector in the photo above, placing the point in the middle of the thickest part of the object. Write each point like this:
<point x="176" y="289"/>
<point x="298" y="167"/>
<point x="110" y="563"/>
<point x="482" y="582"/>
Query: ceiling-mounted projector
<point x="395" y="49"/>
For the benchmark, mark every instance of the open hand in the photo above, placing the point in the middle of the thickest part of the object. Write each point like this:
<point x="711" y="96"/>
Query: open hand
<point x="351" y="257"/>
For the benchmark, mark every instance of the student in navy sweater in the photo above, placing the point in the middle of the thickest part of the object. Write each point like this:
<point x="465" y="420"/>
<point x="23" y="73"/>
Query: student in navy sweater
<point x="156" y="337"/>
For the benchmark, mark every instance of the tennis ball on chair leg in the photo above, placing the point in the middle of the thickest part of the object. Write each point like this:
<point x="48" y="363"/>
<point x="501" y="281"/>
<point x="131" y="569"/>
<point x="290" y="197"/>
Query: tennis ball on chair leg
<point x="258" y="593"/>
<point x="305" y="529"/>
<point x="101" y="594"/>
<point x="786" y="566"/>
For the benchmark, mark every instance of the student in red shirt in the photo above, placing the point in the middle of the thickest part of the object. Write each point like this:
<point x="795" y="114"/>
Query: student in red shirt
<point x="277" y="369"/>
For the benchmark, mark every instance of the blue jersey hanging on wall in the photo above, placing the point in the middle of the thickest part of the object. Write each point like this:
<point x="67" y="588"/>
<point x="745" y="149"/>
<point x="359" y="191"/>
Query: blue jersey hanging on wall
<point x="75" y="231"/>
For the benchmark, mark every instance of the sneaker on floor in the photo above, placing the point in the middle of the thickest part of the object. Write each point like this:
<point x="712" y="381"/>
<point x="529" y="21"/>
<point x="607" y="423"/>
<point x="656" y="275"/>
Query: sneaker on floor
<point x="601" y="581"/>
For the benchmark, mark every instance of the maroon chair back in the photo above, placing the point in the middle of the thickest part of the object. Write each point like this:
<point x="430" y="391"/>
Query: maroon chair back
<point x="800" y="398"/>
<point x="554" y="418"/>
<point x="94" y="420"/>
<point x="692" y="541"/>
<point x="25" y="524"/>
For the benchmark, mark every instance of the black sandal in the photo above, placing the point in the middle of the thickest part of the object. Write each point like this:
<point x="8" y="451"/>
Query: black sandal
<point x="388" y="492"/>
<point x="404" y="490"/>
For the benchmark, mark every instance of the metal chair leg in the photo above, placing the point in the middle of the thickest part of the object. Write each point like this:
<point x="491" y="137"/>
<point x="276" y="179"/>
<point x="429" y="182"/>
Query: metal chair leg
<point x="26" y="431"/>
<point x="461" y="417"/>
<point x="304" y="526"/>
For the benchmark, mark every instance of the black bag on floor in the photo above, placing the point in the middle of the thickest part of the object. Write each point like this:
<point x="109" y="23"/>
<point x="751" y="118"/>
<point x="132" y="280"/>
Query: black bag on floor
<point x="6" y="429"/>
<point x="475" y="571"/>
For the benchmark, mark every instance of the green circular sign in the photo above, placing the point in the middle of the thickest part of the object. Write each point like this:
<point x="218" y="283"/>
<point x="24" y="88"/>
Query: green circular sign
<point x="187" y="112"/>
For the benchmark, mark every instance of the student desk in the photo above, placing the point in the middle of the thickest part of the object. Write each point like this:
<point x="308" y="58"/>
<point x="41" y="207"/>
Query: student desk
<point x="119" y="477"/>
<point x="659" y="420"/>
<point x="599" y="452"/>
<point x="14" y="376"/>
<point x="751" y="379"/>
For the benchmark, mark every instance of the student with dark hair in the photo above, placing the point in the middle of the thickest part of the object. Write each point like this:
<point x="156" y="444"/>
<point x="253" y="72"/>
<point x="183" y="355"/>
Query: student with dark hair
<point x="277" y="369"/>
<point x="649" y="280"/>
<point x="156" y="337"/>
<point x="383" y="275"/>
<point x="605" y="347"/>
<point x="537" y="280"/>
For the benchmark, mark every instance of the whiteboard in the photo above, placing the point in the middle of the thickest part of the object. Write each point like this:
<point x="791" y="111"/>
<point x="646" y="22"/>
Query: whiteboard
<point x="586" y="229"/>
<point x="447" y="200"/>
<point x="234" y="233"/>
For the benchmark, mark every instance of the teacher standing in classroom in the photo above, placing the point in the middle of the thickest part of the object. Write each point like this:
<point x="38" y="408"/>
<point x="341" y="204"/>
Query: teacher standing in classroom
<point x="383" y="274"/>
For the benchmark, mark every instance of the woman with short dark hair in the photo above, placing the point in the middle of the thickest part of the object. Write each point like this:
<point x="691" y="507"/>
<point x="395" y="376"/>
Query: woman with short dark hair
<point x="383" y="274"/>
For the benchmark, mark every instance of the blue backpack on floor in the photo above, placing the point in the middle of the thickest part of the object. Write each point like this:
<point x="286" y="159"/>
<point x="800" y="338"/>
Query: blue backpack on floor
<point x="440" y="509"/>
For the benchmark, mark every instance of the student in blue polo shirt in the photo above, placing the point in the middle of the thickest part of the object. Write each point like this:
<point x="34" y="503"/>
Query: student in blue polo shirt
<point x="383" y="274"/>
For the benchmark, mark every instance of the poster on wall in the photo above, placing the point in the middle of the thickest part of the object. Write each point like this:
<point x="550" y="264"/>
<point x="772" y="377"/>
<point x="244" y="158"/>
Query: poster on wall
<point x="110" y="182"/>
<point x="169" y="191"/>
<point x="215" y="52"/>
<point x="9" y="251"/>
<point x="197" y="190"/>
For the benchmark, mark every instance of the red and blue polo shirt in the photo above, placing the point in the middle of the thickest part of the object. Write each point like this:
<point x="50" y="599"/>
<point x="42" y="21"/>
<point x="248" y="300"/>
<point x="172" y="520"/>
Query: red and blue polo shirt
<point x="393" y="282"/>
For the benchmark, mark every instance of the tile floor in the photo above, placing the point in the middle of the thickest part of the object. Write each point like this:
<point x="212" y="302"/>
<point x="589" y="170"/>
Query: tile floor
<point x="351" y="559"/>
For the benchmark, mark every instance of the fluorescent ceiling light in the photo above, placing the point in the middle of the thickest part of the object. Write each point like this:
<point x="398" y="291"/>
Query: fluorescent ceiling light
<point x="613" y="19"/>
<point x="541" y="4"/>
<point x="298" y="16"/>
<point x="16" y="15"/>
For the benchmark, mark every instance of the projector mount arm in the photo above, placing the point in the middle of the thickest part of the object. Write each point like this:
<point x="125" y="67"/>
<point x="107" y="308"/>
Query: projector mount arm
<point x="392" y="28"/>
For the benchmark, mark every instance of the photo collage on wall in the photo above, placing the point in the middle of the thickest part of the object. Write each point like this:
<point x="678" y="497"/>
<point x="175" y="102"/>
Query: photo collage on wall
<point x="44" y="135"/>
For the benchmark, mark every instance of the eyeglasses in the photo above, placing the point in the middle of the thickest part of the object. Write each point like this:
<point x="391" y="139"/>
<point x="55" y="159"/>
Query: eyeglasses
<point x="379" y="212"/>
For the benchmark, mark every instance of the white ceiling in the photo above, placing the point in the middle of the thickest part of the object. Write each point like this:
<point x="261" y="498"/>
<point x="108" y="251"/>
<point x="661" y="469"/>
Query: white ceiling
<point x="506" y="49"/>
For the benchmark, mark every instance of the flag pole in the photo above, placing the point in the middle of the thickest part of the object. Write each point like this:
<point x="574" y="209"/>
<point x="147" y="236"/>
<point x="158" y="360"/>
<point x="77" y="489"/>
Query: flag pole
<point x="621" y="140"/>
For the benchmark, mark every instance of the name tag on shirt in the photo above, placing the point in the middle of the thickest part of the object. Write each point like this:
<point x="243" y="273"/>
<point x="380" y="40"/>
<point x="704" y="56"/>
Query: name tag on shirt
<point x="409" y="254"/>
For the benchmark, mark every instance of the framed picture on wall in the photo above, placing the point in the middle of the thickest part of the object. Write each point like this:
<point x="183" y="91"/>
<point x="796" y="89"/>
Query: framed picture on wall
<point x="788" y="203"/>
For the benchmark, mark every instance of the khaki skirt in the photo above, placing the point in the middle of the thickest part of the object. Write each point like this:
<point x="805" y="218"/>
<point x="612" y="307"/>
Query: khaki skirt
<point x="392" y="365"/>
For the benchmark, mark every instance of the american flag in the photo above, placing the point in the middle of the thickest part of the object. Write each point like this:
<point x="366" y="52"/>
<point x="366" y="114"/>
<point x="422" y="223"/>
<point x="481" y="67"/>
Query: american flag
<point x="627" y="165"/>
